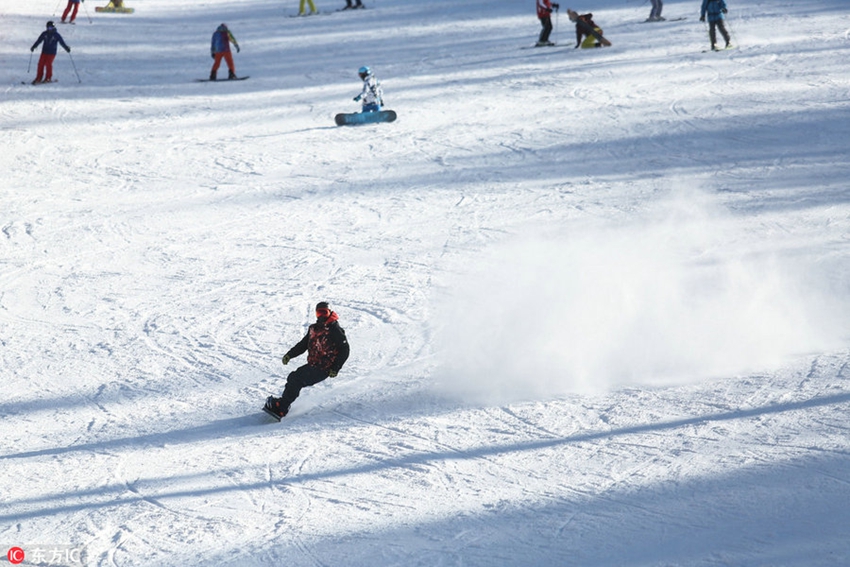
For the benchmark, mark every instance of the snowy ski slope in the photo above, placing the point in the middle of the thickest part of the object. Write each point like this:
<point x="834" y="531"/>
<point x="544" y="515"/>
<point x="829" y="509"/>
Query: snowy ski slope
<point x="597" y="299"/>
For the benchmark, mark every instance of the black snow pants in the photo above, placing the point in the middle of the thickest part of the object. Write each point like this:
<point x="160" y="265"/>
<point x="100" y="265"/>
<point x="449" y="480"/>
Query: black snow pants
<point x="547" y="29"/>
<point x="301" y="377"/>
<point x="712" y="32"/>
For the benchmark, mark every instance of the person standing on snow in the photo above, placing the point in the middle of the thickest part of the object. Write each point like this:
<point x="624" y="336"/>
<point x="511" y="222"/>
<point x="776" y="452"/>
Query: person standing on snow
<point x="655" y="13"/>
<point x="75" y="4"/>
<point x="51" y="39"/>
<point x="302" y="8"/>
<point x="327" y="350"/>
<point x="220" y="49"/>
<point x="544" y="14"/>
<point x="715" y="10"/>
<point x="372" y="94"/>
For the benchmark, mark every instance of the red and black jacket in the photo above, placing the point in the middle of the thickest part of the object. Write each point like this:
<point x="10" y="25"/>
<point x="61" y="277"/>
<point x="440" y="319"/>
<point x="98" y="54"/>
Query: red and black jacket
<point x="325" y="344"/>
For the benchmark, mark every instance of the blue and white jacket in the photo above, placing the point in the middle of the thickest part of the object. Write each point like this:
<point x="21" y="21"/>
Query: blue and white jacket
<point x="372" y="92"/>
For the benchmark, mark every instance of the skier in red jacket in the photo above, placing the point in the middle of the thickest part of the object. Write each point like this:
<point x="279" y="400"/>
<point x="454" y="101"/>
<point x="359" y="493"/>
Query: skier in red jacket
<point x="327" y="350"/>
<point x="544" y="14"/>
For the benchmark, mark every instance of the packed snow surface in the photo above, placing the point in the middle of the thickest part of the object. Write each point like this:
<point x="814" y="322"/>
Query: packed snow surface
<point x="597" y="299"/>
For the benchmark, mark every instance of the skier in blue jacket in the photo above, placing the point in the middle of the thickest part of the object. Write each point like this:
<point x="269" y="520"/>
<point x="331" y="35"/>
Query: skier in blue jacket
<point x="50" y="39"/>
<point x="715" y="10"/>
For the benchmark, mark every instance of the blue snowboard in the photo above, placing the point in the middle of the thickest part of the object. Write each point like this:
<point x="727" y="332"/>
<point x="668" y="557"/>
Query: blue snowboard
<point x="365" y="117"/>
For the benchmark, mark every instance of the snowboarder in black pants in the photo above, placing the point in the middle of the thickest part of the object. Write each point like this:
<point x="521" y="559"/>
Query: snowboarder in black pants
<point x="327" y="350"/>
<point x="715" y="10"/>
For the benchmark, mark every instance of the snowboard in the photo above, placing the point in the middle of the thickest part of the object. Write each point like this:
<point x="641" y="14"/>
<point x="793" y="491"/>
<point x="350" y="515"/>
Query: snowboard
<point x="718" y="50"/>
<point x="365" y="117"/>
<point x="310" y="14"/>
<point x="222" y="80"/>
<point x="114" y="10"/>
<point x="573" y="15"/>
<point x="271" y="413"/>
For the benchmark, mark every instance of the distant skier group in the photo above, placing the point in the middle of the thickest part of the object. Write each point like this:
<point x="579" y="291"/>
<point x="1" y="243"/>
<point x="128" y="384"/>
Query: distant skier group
<point x="588" y="34"/>
<point x="371" y="95"/>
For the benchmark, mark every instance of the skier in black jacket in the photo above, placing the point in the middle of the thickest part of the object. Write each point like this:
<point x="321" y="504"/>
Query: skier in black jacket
<point x="327" y="350"/>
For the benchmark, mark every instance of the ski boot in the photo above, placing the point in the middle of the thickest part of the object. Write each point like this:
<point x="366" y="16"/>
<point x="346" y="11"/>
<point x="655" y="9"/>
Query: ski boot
<point x="231" y="75"/>
<point x="212" y="75"/>
<point x="274" y="405"/>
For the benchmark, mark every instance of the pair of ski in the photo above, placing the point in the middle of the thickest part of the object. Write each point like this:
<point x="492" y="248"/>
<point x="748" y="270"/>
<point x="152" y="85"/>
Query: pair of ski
<point x="222" y="80"/>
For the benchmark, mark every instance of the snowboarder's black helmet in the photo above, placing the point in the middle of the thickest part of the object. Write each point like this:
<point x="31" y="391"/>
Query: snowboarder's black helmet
<point x="50" y="24"/>
<point x="322" y="310"/>
<point x="364" y="72"/>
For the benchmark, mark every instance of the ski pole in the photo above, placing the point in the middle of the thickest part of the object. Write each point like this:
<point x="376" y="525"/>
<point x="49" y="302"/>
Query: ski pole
<point x="56" y="9"/>
<point x="86" y="8"/>
<point x="733" y="39"/>
<point x="556" y="25"/>
<point x="74" y="65"/>
<point x="29" y="65"/>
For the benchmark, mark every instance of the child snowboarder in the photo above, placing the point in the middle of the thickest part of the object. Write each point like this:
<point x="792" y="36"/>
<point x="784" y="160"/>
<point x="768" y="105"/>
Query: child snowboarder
<point x="327" y="350"/>
<point x="220" y="49"/>
<point x="372" y="94"/>
<point x="590" y="40"/>
<point x="72" y="4"/>
<point x="544" y="14"/>
<point x="50" y="38"/>
<point x="715" y="10"/>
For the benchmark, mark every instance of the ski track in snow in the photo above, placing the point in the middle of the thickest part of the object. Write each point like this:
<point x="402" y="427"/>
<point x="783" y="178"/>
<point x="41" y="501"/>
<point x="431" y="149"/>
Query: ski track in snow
<point x="597" y="299"/>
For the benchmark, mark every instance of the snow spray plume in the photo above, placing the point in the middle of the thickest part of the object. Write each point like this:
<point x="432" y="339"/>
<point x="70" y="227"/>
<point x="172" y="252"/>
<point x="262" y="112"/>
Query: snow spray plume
<point x="684" y="295"/>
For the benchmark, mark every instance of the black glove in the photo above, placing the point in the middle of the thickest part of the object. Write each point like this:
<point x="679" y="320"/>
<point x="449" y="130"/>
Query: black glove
<point x="237" y="49"/>
<point x="32" y="48"/>
<point x="68" y="49"/>
<point x="556" y="6"/>
<point x="725" y="11"/>
<point x="702" y="18"/>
